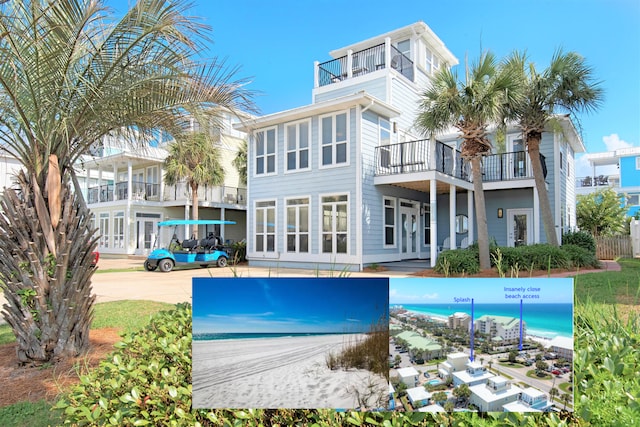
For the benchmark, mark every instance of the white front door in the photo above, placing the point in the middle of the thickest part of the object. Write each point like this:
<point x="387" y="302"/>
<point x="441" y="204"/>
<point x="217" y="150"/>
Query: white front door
<point x="519" y="227"/>
<point x="409" y="214"/>
<point x="146" y="232"/>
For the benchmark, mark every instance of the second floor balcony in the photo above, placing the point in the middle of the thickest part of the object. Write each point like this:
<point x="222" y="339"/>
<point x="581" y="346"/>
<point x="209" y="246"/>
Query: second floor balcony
<point x="141" y="191"/>
<point x="418" y="156"/>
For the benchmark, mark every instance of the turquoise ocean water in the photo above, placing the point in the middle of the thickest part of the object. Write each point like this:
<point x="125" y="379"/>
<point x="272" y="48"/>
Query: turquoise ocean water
<point x="543" y="320"/>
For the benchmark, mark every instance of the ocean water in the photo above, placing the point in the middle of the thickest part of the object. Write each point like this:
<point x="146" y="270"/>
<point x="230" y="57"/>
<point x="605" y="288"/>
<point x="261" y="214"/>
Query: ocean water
<point x="246" y="335"/>
<point x="543" y="320"/>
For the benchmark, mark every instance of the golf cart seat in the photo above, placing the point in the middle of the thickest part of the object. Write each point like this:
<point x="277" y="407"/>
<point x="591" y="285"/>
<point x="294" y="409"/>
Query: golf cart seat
<point x="190" y="244"/>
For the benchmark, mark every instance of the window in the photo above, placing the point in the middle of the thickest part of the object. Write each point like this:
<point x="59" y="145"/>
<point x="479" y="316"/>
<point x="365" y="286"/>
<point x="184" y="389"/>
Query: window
<point x="298" y="146"/>
<point x="633" y="200"/>
<point x="265" y="226"/>
<point x="104" y="230"/>
<point x="152" y="182"/>
<point x="266" y="151"/>
<point x="404" y="47"/>
<point x="334" y="131"/>
<point x="427" y="224"/>
<point x="389" y="221"/>
<point x="118" y="230"/>
<point x="298" y="225"/>
<point x="335" y="224"/>
<point x="385" y="140"/>
<point x="432" y="63"/>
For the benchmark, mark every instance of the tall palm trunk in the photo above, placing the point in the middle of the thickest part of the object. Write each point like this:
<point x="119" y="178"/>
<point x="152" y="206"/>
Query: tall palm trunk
<point x="46" y="270"/>
<point x="533" y="148"/>
<point x="481" y="213"/>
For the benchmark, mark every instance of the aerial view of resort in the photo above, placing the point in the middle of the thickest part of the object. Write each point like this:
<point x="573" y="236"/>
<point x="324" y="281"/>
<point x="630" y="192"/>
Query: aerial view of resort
<point x="290" y="343"/>
<point x="481" y="345"/>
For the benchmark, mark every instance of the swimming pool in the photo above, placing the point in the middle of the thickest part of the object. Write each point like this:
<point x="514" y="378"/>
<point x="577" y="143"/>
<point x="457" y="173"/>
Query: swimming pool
<point x="433" y="382"/>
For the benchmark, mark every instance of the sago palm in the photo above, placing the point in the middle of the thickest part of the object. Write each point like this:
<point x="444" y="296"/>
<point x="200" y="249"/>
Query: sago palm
<point x="567" y="85"/>
<point x="69" y="75"/>
<point x="193" y="158"/>
<point x="470" y="106"/>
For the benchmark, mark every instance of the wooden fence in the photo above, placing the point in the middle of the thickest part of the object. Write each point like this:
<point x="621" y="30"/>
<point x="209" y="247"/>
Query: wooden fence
<point x="614" y="247"/>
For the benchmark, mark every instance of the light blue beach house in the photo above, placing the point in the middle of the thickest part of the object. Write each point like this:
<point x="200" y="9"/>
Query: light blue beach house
<point x="347" y="181"/>
<point x="625" y="180"/>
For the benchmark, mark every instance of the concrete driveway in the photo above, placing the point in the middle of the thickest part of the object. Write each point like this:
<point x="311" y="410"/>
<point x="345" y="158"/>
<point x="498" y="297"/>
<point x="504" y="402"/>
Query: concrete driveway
<point x="175" y="286"/>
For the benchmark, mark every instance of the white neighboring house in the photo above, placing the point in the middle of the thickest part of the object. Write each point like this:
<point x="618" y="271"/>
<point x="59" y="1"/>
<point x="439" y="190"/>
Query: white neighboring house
<point x="455" y="362"/>
<point x="474" y="374"/>
<point x="562" y="347"/>
<point x="9" y="166"/>
<point x="494" y="394"/>
<point x="409" y="376"/>
<point x="125" y="190"/>
<point x="531" y="400"/>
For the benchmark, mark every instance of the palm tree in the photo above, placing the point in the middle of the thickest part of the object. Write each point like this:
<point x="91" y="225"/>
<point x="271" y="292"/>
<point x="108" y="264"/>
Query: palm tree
<point x="193" y="158"/>
<point x="240" y="162"/>
<point x="566" y="85"/>
<point x="470" y="106"/>
<point x="70" y="75"/>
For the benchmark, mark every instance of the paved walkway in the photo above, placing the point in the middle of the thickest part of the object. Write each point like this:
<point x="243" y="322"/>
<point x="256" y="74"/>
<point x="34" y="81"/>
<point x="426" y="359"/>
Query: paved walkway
<point x="175" y="287"/>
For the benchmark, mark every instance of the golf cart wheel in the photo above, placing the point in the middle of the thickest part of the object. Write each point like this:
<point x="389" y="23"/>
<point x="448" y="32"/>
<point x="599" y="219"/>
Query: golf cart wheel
<point x="149" y="267"/>
<point x="166" y="265"/>
<point x="222" y="261"/>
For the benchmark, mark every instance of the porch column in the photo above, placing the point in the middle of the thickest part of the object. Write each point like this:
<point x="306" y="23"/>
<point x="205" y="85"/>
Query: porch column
<point x="452" y="217"/>
<point x="129" y="179"/>
<point x="349" y="63"/>
<point x="115" y="181"/>
<point x="222" y="218"/>
<point x="316" y="74"/>
<point x="100" y="184"/>
<point x="387" y="52"/>
<point x="433" y="209"/>
<point x="470" y="210"/>
<point x="536" y="216"/>
<point x="187" y="227"/>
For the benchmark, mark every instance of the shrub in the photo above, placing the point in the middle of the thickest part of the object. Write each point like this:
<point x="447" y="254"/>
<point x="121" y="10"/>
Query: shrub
<point x="543" y="256"/>
<point x="458" y="261"/>
<point x="580" y="257"/>
<point x="146" y="381"/>
<point x="510" y="257"/>
<point x="580" y="238"/>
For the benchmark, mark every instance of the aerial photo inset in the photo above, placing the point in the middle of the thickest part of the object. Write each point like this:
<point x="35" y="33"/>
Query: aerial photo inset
<point x="291" y="343"/>
<point x="481" y="344"/>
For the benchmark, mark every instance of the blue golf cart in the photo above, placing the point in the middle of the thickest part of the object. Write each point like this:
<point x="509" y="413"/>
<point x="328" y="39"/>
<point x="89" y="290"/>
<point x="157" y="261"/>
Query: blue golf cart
<point x="209" y="250"/>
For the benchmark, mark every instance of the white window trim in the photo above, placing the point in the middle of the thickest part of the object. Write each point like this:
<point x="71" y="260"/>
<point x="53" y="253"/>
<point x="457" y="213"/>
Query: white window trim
<point x="297" y="149"/>
<point x="117" y="216"/>
<point x="297" y="231"/>
<point x="638" y="163"/>
<point x="275" y="153"/>
<point x="105" y="217"/>
<point x="394" y="206"/>
<point x="333" y="163"/>
<point x="333" y="253"/>
<point x="265" y="252"/>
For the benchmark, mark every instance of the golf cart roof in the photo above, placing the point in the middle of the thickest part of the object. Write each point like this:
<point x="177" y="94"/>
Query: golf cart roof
<point x="194" y="222"/>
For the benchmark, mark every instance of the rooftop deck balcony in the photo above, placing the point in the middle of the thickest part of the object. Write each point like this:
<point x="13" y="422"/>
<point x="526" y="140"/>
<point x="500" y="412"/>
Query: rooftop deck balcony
<point x="415" y="156"/>
<point x="356" y="64"/>
<point x="598" y="182"/>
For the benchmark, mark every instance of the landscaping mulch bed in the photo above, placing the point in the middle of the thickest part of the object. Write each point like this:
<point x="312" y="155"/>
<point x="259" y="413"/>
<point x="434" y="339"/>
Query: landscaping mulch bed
<point x="34" y="383"/>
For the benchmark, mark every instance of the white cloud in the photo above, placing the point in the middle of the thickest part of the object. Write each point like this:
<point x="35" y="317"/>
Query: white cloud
<point x="613" y="142"/>
<point x="430" y="296"/>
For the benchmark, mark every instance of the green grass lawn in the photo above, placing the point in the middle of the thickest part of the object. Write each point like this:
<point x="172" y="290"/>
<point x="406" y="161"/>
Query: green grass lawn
<point x="611" y="287"/>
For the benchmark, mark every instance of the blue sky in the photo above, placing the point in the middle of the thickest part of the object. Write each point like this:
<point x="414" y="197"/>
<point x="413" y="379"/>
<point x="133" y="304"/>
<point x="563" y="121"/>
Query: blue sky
<point x="341" y="305"/>
<point x="483" y="291"/>
<point x="276" y="43"/>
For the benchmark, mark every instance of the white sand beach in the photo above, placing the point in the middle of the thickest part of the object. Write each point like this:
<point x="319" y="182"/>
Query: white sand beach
<point x="288" y="372"/>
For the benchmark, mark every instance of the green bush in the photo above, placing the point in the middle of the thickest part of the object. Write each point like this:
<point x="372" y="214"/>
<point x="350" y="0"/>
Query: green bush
<point x="580" y="257"/>
<point x="543" y="256"/>
<point x="146" y="381"/>
<point x="580" y="238"/>
<point x="510" y="257"/>
<point x="458" y="261"/>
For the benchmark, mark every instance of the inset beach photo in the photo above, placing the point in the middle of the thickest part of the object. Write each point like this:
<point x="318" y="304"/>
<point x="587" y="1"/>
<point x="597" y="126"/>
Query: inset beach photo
<point x="481" y="345"/>
<point x="291" y="343"/>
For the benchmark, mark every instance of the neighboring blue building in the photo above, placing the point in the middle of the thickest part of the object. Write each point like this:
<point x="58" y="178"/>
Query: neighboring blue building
<point x="348" y="181"/>
<point x="625" y="182"/>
